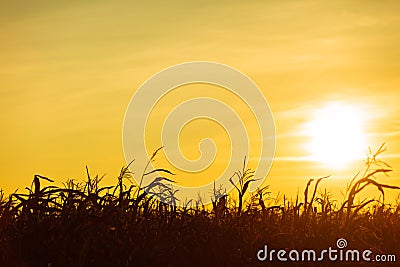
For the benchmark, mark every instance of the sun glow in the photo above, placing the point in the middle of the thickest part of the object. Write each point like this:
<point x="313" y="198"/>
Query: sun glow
<point x="336" y="135"/>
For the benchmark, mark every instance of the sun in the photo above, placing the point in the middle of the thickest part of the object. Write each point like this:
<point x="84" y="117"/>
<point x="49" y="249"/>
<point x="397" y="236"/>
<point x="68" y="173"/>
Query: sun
<point x="336" y="135"/>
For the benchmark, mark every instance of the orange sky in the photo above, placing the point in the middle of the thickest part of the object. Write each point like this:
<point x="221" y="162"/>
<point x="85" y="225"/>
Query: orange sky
<point x="69" y="69"/>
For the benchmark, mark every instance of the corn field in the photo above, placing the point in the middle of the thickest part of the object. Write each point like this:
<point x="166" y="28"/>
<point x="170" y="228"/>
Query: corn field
<point x="85" y="224"/>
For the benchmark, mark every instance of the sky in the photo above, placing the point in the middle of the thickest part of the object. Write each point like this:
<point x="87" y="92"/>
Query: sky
<point x="68" y="70"/>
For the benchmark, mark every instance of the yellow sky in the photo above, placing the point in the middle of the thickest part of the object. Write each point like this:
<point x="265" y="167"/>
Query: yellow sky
<point x="68" y="70"/>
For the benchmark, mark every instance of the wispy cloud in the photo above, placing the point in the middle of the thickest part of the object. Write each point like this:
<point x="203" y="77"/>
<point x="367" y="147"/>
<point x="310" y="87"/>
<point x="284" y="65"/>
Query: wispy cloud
<point x="384" y="134"/>
<point x="294" y="159"/>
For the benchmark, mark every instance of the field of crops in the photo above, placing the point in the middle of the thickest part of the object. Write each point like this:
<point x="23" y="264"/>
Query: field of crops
<point x="84" y="224"/>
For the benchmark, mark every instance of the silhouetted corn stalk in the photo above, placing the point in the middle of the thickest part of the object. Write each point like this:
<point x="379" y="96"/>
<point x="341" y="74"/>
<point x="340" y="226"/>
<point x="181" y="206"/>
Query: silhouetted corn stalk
<point x="244" y="178"/>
